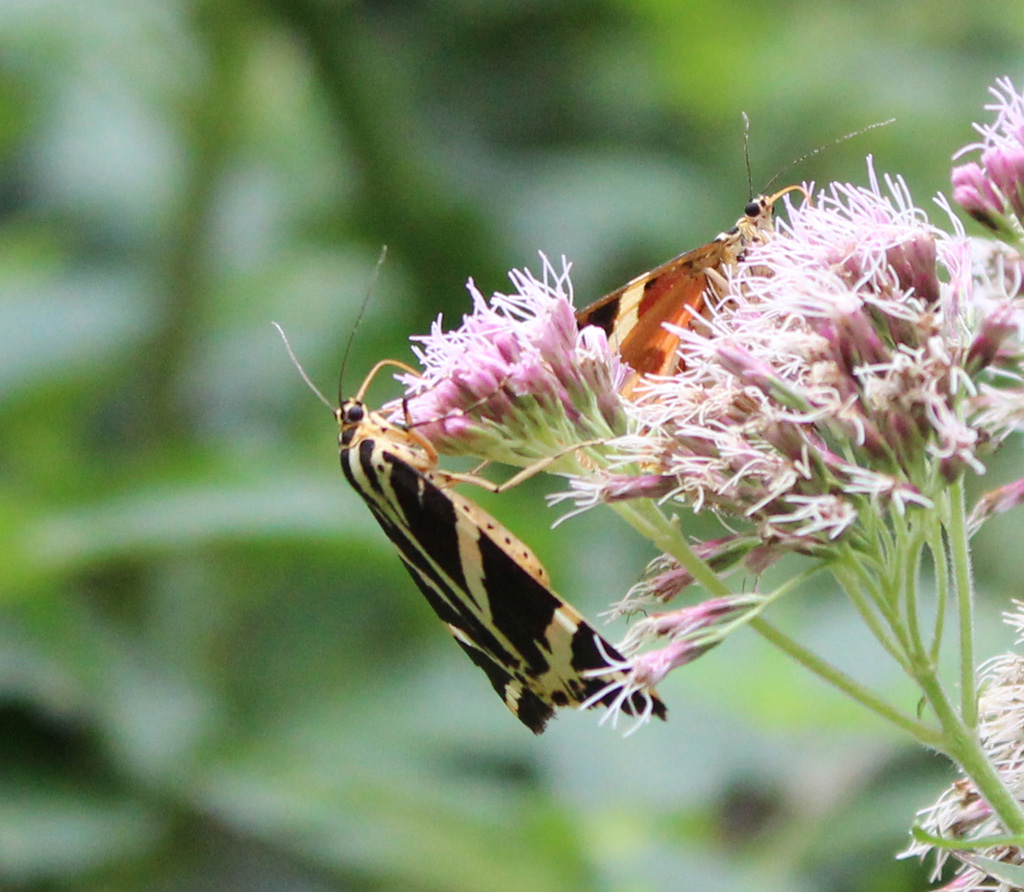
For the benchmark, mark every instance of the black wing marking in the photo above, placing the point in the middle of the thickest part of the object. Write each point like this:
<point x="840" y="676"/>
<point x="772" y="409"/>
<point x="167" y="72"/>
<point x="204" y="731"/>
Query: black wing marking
<point x="535" y="648"/>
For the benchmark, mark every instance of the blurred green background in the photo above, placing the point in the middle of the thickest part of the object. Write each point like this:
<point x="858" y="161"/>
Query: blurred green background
<point x="214" y="672"/>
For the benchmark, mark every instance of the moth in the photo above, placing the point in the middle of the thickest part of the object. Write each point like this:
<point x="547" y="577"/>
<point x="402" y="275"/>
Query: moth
<point x="486" y="585"/>
<point x="634" y="316"/>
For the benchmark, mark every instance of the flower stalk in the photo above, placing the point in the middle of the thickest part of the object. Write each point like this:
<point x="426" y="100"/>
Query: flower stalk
<point x="961" y="558"/>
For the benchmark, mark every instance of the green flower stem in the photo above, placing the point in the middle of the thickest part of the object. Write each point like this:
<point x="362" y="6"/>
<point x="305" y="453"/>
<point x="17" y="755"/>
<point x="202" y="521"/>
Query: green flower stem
<point x="647" y="519"/>
<point x="717" y="634"/>
<point x="961" y="744"/>
<point x="861" y="585"/>
<point x="894" y="646"/>
<point x="866" y="572"/>
<point x="975" y="843"/>
<point x="941" y="564"/>
<point x="913" y="547"/>
<point x="922" y="732"/>
<point x="960" y="552"/>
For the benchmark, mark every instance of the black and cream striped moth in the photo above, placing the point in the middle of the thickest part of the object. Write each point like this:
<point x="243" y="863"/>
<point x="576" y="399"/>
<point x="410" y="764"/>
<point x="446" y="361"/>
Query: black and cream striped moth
<point x="486" y="585"/>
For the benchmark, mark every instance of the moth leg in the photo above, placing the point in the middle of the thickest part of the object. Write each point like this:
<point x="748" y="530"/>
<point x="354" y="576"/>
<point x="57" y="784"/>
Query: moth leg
<point x="449" y="478"/>
<point x="424" y="444"/>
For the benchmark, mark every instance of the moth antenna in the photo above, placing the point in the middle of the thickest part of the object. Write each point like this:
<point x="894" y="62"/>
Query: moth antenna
<point x="828" y="145"/>
<point x="302" y="371"/>
<point x="746" y="155"/>
<point x="359" y="319"/>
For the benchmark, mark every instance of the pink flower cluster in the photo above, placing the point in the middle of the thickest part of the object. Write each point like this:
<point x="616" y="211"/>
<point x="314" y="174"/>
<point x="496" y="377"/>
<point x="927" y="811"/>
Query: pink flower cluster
<point x="516" y="381"/>
<point x="993" y="191"/>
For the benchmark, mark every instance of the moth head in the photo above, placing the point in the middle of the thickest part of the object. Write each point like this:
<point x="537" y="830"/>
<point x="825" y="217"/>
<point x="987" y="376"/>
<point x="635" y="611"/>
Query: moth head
<point x="350" y="416"/>
<point x="757" y="215"/>
<point x="755" y="207"/>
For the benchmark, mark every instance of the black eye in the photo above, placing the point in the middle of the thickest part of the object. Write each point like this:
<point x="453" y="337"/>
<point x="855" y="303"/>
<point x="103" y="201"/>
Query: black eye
<point x="354" y="413"/>
<point x="752" y="209"/>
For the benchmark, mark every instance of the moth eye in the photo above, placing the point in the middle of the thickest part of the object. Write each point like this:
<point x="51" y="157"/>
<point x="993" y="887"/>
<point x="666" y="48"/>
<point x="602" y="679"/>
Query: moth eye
<point x="752" y="209"/>
<point x="355" y="413"/>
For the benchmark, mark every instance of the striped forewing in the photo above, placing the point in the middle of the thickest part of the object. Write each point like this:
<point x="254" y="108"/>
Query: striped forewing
<point x="488" y="588"/>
